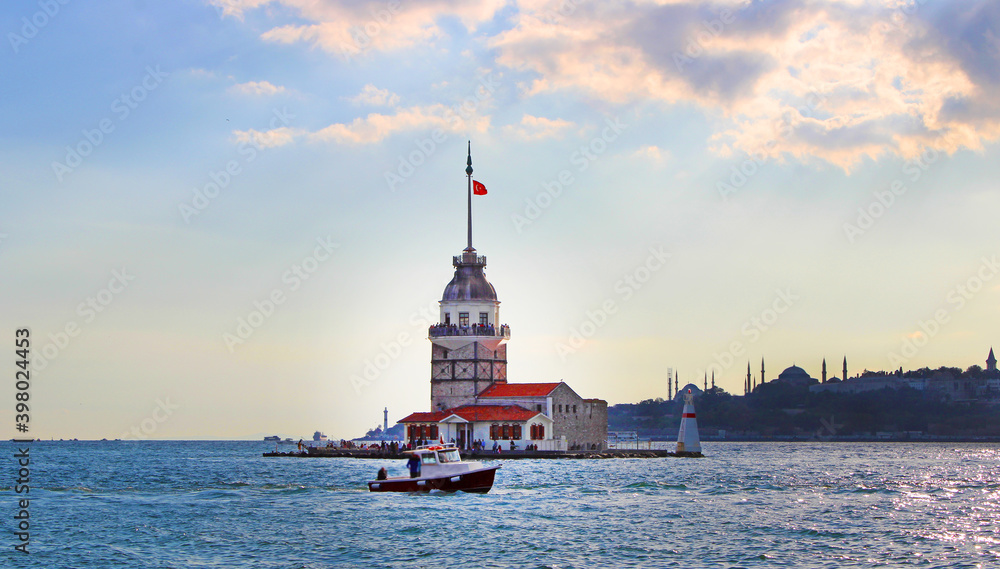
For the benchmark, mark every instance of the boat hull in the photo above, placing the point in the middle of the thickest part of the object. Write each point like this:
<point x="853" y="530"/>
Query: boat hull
<point x="476" y="481"/>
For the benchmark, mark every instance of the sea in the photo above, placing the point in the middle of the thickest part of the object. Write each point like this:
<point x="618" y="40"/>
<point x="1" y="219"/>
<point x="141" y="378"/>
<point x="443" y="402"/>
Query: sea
<point x="175" y="504"/>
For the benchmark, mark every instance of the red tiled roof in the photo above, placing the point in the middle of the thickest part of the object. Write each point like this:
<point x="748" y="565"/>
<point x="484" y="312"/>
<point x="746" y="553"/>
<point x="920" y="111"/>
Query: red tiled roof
<point x="492" y="413"/>
<point x="519" y="389"/>
<point x="432" y="417"/>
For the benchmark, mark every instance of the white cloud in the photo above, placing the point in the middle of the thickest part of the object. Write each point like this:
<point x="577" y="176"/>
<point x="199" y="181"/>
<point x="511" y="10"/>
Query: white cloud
<point x="373" y="128"/>
<point x="536" y="128"/>
<point x="654" y="153"/>
<point x="352" y="27"/>
<point x="373" y="96"/>
<point x="257" y="88"/>
<point x="267" y="139"/>
<point x="837" y="80"/>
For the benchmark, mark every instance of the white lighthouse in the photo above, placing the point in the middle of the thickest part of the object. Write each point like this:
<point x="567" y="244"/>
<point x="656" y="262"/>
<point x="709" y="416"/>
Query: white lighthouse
<point x="688" y="442"/>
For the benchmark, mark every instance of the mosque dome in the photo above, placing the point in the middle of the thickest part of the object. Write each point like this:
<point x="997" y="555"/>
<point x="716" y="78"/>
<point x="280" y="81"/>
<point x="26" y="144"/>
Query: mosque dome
<point x="794" y="372"/>
<point x="469" y="282"/>
<point x="795" y="376"/>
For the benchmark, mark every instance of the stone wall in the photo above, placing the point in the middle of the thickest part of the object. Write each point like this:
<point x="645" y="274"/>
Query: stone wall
<point x="584" y="422"/>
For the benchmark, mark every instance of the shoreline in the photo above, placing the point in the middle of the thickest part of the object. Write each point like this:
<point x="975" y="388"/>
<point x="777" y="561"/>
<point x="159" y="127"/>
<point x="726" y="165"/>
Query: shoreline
<point x="589" y="454"/>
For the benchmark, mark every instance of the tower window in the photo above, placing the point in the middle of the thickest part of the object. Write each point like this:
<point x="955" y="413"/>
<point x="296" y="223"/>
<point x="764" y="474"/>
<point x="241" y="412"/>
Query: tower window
<point x="463" y="318"/>
<point x="447" y="318"/>
<point x="484" y="318"/>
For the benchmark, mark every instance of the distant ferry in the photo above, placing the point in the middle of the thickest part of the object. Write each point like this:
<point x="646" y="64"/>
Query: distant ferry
<point x="319" y="437"/>
<point x="272" y="439"/>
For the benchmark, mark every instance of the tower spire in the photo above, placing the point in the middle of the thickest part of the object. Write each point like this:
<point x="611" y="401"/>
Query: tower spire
<point x="468" y="173"/>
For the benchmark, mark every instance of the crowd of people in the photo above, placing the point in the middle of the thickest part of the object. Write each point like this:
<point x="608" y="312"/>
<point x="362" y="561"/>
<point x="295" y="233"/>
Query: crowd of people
<point x="473" y="330"/>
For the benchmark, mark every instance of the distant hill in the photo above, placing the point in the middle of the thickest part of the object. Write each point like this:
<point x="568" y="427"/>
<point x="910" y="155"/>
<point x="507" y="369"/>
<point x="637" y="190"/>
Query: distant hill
<point x="951" y="403"/>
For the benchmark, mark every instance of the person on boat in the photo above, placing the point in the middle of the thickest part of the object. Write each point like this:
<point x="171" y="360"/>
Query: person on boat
<point x="414" y="465"/>
<point x="382" y="474"/>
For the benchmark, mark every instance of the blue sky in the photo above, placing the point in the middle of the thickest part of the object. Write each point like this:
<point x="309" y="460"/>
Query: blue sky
<point x="682" y="185"/>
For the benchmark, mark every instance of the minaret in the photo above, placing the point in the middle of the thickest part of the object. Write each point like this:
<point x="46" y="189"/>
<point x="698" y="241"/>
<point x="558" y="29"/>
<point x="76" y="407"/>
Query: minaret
<point x="845" y="369"/>
<point x="824" y="370"/>
<point x="749" y="387"/>
<point x="713" y="379"/>
<point x="706" y="382"/>
<point x="762" y="380"/>
<point x="670" y="386"/>
<point x="468" y="344"/>
<point x="991" y="362"/>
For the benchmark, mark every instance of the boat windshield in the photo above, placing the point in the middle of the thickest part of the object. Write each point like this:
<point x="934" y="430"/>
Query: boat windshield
<point x="429" y="458"/>
<point x="450" y="456"/>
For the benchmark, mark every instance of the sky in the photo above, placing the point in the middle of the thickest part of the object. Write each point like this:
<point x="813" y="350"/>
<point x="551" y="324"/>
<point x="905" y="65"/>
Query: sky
<point x="227" y="219"/>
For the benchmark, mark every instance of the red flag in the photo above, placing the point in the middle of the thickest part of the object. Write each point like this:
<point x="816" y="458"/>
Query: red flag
<point x="478" y="188"/>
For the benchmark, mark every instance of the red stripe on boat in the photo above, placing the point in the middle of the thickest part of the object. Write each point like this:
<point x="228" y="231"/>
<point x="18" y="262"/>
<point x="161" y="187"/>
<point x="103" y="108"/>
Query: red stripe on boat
<point x="687" y="415"/>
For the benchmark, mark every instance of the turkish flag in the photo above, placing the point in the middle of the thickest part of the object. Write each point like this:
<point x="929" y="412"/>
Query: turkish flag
<point x="478" y="188"/>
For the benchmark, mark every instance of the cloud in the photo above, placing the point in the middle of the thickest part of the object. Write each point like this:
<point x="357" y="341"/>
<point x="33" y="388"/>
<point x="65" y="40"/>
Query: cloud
<point x="373" y="128"/>
<point x="840" y="81"/>
<point x="373" y="96"/>
<point x="653" y="153"/>
<point x="537" y="128"/>
<point x="257" y="88"/>
<point x="351" y="27"/>
<point x="267" y="139"/>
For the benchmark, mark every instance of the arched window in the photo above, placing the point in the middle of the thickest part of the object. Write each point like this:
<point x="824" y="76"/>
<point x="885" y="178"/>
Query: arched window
<point x="409" y="432"/>
<point x="506" y="432"/>
<point x="494" y="431"/>
<point x="434" y="432"/>
<point x="516" y="432"/>
<point x="541" y="432"/>
<point x="534" y="432"/>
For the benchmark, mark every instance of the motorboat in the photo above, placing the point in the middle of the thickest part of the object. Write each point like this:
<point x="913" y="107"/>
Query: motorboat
<point x="441" y="468"/>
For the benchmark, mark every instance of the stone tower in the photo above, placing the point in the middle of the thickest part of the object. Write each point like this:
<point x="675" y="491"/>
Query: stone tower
<point x="468" y="345"/>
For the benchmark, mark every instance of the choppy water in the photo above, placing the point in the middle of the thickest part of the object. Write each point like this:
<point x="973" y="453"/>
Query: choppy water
<point x="220" y="504"/>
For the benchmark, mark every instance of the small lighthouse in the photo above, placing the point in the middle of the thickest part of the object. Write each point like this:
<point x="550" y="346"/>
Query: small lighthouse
<point x="688" y="443"/>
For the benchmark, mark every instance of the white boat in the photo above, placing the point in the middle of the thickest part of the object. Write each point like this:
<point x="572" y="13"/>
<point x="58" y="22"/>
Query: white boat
<point x="441" y="468"/>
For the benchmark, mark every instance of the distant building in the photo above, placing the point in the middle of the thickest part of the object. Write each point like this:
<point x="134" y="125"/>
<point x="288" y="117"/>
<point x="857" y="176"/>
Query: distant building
<point x="682" y="392"/>
<point x="796" y="376"/>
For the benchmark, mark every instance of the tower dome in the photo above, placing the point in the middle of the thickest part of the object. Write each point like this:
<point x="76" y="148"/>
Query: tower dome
<point x="469" y="282"/>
